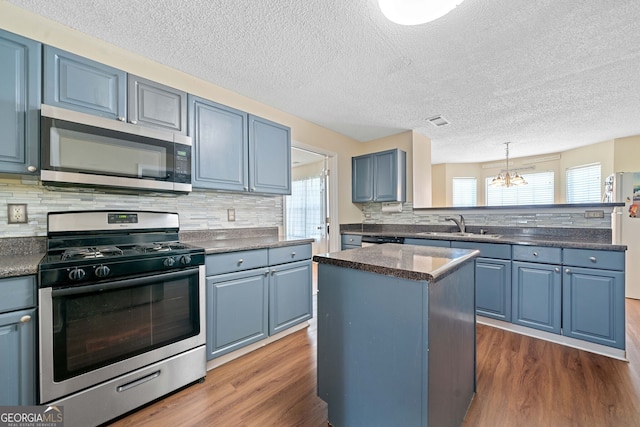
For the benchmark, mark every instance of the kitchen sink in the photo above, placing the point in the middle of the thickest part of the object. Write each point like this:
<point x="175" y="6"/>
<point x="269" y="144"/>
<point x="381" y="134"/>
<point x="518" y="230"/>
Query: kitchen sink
<point x="459" y="234"/>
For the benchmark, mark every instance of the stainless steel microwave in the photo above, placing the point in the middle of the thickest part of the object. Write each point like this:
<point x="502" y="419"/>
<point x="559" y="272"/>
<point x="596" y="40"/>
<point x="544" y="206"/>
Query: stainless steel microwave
<point x="79" y="149"/>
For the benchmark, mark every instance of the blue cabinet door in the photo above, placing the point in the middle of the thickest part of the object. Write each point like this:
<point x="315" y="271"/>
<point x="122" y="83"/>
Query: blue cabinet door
<point x="362" y="179"/>
<point x="155" y="105"/>
<point x="19" y="104"/>
<point x="289" y="295"/>
<point x="269" y="157"/>
<point x="593" y="306"/>
<point x="80" y="84"/>
<point x="493" y="288"/>
<point x="536" y="294"/>
<point x="389" y="182"/>
<point x="18" y="360"/>
<point x="220" y="146"/>
<point x="237" y="310"/>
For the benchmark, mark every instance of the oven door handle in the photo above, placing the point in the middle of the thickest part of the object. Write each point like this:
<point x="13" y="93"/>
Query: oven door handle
<point x="127" y="283"/>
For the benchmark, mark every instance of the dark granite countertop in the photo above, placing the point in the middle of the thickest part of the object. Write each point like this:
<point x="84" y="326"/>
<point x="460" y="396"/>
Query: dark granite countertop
<point x="403" y="261"/>
<point x="579" y="238"/>
<point x="19" y="265"/>
<point x="215" y="246"/>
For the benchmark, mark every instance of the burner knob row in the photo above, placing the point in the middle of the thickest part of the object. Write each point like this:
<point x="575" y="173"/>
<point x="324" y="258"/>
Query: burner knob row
<point x="170" y="262"/>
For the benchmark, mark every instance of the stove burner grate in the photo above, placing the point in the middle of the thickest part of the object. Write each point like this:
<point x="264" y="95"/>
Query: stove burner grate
<point x="90" y="252"/>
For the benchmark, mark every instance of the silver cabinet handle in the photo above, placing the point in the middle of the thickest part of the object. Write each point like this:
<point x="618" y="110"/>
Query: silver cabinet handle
<point x="568" y="271"/>
<point x="32" y="168"/>
<point x="134" y="122"/>
<point x="245" y="188"/>
<point x="535" y="254"/>
<point x="253" y="189"/>
<point x="240" y="261"/>
<point x="266" y="273"/>
<point x="122" y="119"/>
<point x="593" y="259"/>
<point x="557" y="270"/>
<point x="25" y="319"/>
<point x="293" y="254"/>
<point x="273" y="272"/>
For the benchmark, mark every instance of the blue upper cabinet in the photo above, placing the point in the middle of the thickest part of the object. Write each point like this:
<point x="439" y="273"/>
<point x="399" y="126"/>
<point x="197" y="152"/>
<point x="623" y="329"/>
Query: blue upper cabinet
<point x="80" y="84"/>
<point x="220" y="146"/>
<point x="269" y="157"/>
<point x="379" y="177"/>
<point x="235" y="151"/>
<point x="19" y="104"/>
<point x="155" y="105"/>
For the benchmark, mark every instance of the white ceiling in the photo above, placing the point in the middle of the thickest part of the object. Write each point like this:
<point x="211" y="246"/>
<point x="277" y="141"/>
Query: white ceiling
<point x="547" y="75"/>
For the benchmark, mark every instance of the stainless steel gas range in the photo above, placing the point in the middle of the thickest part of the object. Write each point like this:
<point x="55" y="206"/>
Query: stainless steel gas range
<point x="122" y="318"/>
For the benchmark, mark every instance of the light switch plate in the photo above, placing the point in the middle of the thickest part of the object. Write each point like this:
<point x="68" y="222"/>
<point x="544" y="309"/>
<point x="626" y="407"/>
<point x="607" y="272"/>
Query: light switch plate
<point x="16" y="213"/>
<point x="594" y="214"/>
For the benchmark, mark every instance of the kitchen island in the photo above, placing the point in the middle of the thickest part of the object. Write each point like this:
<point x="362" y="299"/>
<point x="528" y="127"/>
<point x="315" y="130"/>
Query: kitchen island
<point x="396" y="335"/>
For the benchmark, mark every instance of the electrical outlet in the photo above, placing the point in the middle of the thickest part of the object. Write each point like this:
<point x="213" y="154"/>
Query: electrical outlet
<point x="594" y="214"/>
<point x="17" y="214"/>
<point x="231" y="215"/>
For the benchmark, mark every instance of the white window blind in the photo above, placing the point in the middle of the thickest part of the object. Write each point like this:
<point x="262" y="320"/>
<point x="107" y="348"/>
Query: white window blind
<point x="584" y="184"/>
<point x="464" y="191"/>
<point x="538" y="191"/>
<point x="304" y="207"/>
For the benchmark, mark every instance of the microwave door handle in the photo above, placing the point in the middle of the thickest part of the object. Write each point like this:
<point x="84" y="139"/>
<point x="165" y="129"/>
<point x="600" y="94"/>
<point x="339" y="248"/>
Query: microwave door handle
<point x="127" y="283"/>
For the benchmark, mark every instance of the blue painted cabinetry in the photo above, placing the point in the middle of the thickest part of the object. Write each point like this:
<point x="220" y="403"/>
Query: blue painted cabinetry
<point x="379" y="177"/>
<point x="235" y="151"/>
<point x="593" y="298"/>
<point x="493" y="278"/>
<point x="155" y="105"/>
<point x="254" y="294"/>
<point x="18" y="341"/>
<point x="19" y="104"/>
<point x="351" y="241"/>
<point x="77" y="83"/>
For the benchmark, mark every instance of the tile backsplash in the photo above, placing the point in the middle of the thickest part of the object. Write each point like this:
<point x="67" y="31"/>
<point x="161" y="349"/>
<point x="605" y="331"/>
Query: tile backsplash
<point x="562" y="217"/>
<point x="199" y="210"/>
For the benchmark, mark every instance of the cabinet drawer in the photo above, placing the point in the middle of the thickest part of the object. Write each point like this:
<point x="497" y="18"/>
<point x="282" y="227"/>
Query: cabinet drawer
<point x="589" y="258"/>
<point x="541" y="254"/>
<point x="487" y="250"/>
<point x="289" y="254"/>
<point x="351" y="239"/>
<point x="17" y="293"/>
<point x="235" y="261"/>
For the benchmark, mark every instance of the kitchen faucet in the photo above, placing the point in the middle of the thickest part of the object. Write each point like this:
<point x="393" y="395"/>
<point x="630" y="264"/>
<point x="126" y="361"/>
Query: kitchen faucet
<point x="459" y="223"/>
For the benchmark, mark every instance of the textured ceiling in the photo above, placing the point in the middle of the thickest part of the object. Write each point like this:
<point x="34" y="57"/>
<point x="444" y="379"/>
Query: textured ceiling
<point x="547" y="75"/>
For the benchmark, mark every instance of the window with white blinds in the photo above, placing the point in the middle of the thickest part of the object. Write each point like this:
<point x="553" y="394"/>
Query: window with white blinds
<point x="539" y="190"/>
<point x="584" y="184"/>
<point x="464" y="192"/>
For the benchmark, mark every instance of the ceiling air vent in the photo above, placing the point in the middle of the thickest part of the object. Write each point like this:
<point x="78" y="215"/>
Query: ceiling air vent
<point x="438" y="121"/>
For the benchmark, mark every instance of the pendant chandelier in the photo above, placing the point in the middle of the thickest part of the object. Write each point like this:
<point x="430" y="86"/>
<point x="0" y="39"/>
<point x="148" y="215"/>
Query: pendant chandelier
<point x="415" y="12"/>
<point x="506" y="178"/>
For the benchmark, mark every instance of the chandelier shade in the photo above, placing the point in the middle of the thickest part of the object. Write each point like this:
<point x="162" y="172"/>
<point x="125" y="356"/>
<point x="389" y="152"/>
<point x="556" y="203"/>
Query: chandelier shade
<point x="506" y="178"/>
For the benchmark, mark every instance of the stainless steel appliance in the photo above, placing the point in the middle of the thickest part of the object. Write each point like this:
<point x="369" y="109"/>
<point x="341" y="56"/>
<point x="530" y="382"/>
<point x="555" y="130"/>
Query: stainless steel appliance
<point x="79" y="149"/>
<point x="625" y="225"/>
<point x="122" y="318"/>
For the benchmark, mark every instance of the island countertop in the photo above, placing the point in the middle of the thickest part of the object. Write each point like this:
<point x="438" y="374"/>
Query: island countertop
<point x="403" y="261"/>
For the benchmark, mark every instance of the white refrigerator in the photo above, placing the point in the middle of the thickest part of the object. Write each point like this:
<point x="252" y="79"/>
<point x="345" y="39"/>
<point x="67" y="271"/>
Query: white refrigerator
<point x="625" y="226"/>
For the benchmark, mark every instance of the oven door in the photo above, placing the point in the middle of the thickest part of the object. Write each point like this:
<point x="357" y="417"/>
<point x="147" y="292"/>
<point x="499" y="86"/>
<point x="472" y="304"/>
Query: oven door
<point x="93" y="333"/>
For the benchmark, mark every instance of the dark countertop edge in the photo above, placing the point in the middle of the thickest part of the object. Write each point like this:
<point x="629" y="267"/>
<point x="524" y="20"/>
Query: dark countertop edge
<point x="371" y="267"/>
<point x="235" y="245"/>
<point x="559" y="205"/>
<point x="505" y="239"/>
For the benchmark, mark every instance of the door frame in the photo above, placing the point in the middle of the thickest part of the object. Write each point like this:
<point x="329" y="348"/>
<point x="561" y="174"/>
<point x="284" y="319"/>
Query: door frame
<point x="332" y="164"/>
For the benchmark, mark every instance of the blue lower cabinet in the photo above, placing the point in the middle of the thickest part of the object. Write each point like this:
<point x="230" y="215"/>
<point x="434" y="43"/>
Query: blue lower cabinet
<point x="237" y="310"/>
<point x="289" y="295"/>
<point x="593" y="306"/>
<point x="18" y="360"/>
<point x="536" y="296"/>
<point x="493" y="288"/>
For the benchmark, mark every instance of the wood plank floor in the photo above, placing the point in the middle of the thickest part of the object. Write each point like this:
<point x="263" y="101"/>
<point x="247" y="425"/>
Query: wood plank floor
<point x="522" y="382"/>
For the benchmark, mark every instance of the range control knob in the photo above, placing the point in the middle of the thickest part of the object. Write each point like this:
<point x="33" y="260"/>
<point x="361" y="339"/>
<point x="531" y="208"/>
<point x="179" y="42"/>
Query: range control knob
<point x="168" y="262"/>
<point x="185" y="260"/>
<point x="77" y="274"/>
<point x="102" y="271"/>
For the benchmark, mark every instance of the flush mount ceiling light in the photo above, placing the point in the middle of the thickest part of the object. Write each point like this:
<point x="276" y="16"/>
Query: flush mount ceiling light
<point x="505" y="178"/>
<point x="415" y="12"/>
